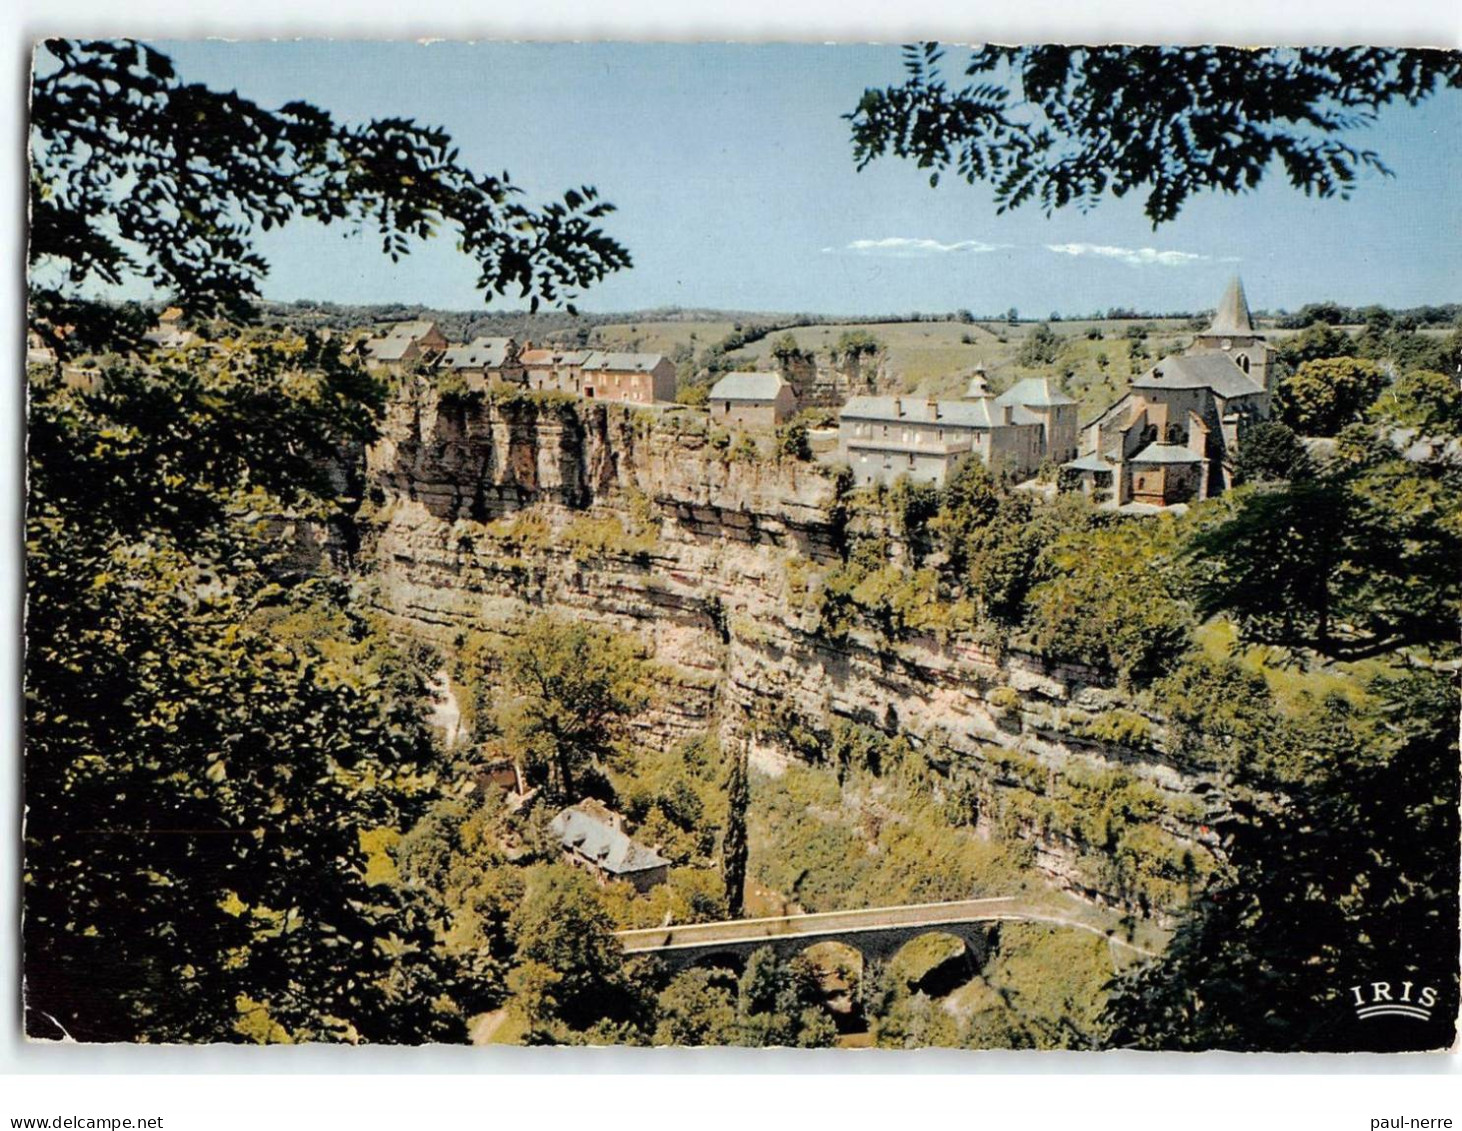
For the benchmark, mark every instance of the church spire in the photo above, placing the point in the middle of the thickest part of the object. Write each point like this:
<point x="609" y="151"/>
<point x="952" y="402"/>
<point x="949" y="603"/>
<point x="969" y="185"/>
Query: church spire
<point x="1232" y="316"/>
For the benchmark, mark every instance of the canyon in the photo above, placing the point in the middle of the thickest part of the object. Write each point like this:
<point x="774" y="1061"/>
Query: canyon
<point x="482" y="510"/>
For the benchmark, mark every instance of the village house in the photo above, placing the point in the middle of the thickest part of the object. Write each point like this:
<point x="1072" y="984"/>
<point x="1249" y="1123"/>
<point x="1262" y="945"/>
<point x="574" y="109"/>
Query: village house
<point x="404" y="344"/>
<point x="636" y="378"/>
<point x="553" y="370"/>
<point x="1172" y="437"/>
<point x="751" y="400"/>
<point x="487" y="359"/>
<point x="591" y="838"/>
<point x="168" y="331"/>
<point x="883" y="438"/>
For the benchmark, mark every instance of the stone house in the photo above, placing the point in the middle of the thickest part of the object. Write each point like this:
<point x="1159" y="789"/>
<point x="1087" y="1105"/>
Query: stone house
<point x="1173" y="435"/>
<point x="751" y="400"/>
<point x="592" y="839"/>
<point x="547" y="369"/>
<point x="488" y="359"/>
<point x="882" y="438"/>
<point x="1038" y="399"/>
<point x="404" y="344"/>
<point x="634" y="378"/>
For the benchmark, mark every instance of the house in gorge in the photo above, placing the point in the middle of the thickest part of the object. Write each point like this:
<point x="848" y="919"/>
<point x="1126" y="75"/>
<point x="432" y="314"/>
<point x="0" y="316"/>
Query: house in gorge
<point x="1173" y="436"/>
<point x="592" y="838"/>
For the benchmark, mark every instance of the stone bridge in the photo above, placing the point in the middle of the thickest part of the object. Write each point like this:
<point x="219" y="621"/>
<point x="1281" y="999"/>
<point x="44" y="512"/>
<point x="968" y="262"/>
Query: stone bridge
<point x="875" y="932"/>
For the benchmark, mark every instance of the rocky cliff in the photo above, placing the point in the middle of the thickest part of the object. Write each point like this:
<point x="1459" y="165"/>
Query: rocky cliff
<point x="484" y="510"/>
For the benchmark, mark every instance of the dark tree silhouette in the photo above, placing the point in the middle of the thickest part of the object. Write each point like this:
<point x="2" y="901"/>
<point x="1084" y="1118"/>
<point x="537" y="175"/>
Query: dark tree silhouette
<point x="136" y="174"/>
<point x="1067" y="125"/>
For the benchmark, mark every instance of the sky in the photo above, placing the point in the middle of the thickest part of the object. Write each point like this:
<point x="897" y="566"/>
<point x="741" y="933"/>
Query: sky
<point x="731" y="168"/>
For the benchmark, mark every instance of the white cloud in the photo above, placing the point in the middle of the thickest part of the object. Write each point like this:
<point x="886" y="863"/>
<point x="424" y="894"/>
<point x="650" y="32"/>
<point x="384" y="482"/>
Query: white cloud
<point x="1133" y="256"/>
<point x="902" y="247"/>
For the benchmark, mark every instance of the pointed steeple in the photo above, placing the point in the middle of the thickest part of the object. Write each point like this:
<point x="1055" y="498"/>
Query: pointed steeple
<point x="1232" y="316"/>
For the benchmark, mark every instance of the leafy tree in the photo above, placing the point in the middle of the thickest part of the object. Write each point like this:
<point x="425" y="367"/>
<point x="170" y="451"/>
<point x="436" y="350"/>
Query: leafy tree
<point x="792" y="441"/>
<point x="573" y="689"/>
<point x="1342" y="872"/>
<point x="1066" y="125"/>
<point x="1424" y="400"/>
<point x="786" y="350"/>
<point x="1002" y="556"/>
<point x="1317" y="342"/>
<point x="1357" y="561"/>
<point x="1272" y="565"/>
<point x="780" y="1003"/>
<point x="205" y="748"/>
<point x="137" y="174"/>
<point x="1323" y="396"/>
<point x="698" y="1007"/>
<point x="1109" y="597"/>
<point x="971" y="499"/>
<point x="562" y="927"/>
<point x="854" y="345"/>
<point x="1271" y="451"/>
<point x="1042" y="346"/>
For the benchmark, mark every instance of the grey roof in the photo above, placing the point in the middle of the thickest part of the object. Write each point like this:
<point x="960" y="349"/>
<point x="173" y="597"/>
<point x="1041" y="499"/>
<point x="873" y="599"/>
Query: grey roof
<point x="1232" y="316"/>
<point x="596" y="838"/>
<point x="919" y="410"/>
<point x="416" y="329"/>
<point x="543" y="357"/>
<point x="748" y="387"/>
<point x="1166" y="453"/>
<point x="1034" y="392"/>
<point x="1216" y="371"/>
<point x="1089" y="462"/>
<point x="392" y="348"/>
<point x="603" y="361"/>
<point x="481" y="353"/>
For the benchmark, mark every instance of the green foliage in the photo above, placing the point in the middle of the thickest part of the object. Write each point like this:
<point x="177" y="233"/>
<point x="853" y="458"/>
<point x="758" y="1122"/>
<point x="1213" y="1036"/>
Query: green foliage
<point x="1317" y="342"/>
<point x="112" y="125"/>
<point x="593" y="539"/>
<point x="1123" y="727"/>
<point x="562" y="928"/>
<point x="1322" y="397"/>
<point x="207" y="747"/>
<point x="677" y="797"/>
<point x="774" y="1003"/>
<point x="1350" y="869"/>
<point x="1429" y="402"/>
<point x="693" y="395"/>
<point x="1040" y="347"/>
<point x="572" y="688"/>
<point x="1050" y="988"/>
<point x="830" y="847"/>
<point x="1108" y="597"/>
<point x="1359" y="560"/>
<point x="1064" y="126"/>
<point x="1271" y="451"/>
<point x="792" y="441"/>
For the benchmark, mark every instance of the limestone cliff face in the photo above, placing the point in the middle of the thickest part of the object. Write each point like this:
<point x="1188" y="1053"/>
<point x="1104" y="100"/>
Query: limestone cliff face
<point x="484" y="513"/>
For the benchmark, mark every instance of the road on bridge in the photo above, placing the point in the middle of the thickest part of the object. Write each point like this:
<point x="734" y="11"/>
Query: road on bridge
<point x="833" y="924"/>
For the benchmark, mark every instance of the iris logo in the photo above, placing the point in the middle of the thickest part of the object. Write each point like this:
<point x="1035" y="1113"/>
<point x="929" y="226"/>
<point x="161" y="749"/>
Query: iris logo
<point x="1384" y="999"/>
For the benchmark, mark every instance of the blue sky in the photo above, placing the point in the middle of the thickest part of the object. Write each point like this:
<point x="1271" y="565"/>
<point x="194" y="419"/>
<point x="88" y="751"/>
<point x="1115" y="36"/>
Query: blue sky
<point x="732" y="171"/>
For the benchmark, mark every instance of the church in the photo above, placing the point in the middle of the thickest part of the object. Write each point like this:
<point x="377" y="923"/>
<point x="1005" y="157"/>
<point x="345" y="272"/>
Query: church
<point x="1173" y="436"/>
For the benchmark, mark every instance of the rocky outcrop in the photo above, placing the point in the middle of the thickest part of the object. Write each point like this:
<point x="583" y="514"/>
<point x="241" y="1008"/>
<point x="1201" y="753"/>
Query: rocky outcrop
<point x="483" y="512"/>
